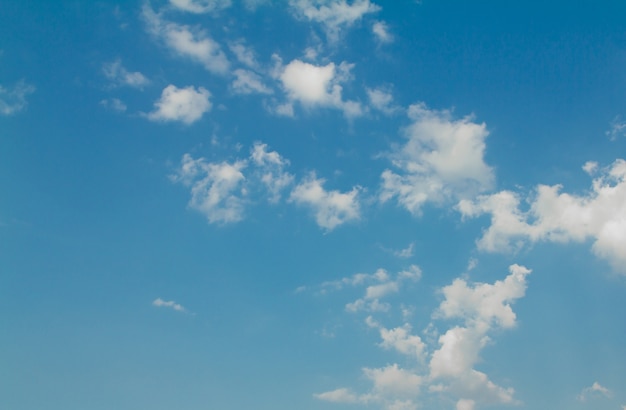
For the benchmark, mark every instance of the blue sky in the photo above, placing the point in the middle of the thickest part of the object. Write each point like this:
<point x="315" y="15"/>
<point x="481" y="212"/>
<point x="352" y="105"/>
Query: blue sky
<point x="215" y="204"/>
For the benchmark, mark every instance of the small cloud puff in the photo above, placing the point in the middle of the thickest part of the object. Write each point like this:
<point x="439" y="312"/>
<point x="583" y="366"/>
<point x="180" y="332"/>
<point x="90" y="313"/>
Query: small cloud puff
<point x="186" y="105"/>
<point x="168" y="304"/>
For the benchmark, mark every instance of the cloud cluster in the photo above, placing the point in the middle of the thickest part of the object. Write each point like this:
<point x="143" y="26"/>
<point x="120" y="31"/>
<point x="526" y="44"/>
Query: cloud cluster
<point x="446" y="367"/>
<point x="333" y="15"/>
<point x="13" y="100"/>
<point x="221" y="190"/>
<point x="595" y="390"/>
<point x="442" y="161"/>
<point x="555" y="216"/>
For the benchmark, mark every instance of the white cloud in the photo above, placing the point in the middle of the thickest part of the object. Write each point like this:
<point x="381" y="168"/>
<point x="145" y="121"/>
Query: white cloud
<point x="443" y="365"/>
<point x="114" y="104"/>
<point x="200" y="6"/>
<point x="119" y="75"/>
<point x="181" y="104"/>
<point x="313" y="85"/>
<point x="244" y="54"/>
<point x="194" y="44"/>
<point x="331" y="208"/>
<point x="595" y="390"/>
<point x="618" y="129"/>
<point x="406" y="252"/>
<point x="216" y="189"/>
<point x="381" y="31"/>
<point x="248" y="82"/>
<point x="338" y="396"/>
<point x="465" y="404"/>
<point x="168" y="304"/>
<point x="400" y="339"/>
<point x="559" y="217"/>
<point x="271" y="168"/>
<point x="394" y="381"/>
<point x="485" y="304"/>
<point x="443" y="160"/>
<point x="13" y="100"/>
<point x="382" y="100"/>
<point x="334" y="15"/>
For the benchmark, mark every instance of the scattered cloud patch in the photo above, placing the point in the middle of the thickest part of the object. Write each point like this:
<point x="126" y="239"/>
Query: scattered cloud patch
<point x="442" y="161"/>
<point x="331" y="208"/>
<point x="617" y="130"/>
<point x="442" y="365"/>
<point x="554" y="216"/>
<point x="244" y="54"/>
<point x="406" y="252"/>
<point x="186" y="105"/>
<point x="595" y="390"/>
<point x="381" y="31"/>
<point x="13" y="100"/>
<point x="200" y="6"/>
<point x="270" y="165"/>
<point x="248" y="82"/>
<point x="120" y="76"/>
<point x="382" y="100"/>
<point x="216" y="188"/>
<point x="333" y="15"/>
<point x="192" y="43"/>
<point x="114" y="104"/>
<point x="168" y="304"/>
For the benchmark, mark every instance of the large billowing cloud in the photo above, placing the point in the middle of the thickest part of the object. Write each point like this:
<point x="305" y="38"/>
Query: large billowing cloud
<point x="442" y="161"/>
<point x="334" y="15"/>
<point x="181" y="104"/>
<point x="444" y="365"/>
<point x="555" y="216"/>
<point x="313" y="85"/>
<point x="194" y="44"/>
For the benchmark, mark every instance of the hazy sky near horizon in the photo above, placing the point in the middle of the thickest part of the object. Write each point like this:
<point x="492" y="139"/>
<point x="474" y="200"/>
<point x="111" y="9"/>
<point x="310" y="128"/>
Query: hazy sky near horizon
<point x="312" y="204"/>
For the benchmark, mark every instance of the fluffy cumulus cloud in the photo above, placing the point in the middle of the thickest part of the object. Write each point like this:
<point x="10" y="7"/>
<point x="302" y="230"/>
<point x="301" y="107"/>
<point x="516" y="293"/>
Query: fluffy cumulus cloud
<point x="119" y="75"/>
<point x="555" y="216"/>
<point x="595" y="390"/>
<point x="334" y="15"/>
<point x="168" y="304"/>
<point x="13" y="100"/>
<point x="184" y="41"/>
<point x="187" y="104"/>
<point x="313" y="85"/>
<point x="200" y="6"/>
<point x="331" y="208"/>
<point x="442" y="161"/>
<point x="443" y="365"/>
<point x="216" y="188"/>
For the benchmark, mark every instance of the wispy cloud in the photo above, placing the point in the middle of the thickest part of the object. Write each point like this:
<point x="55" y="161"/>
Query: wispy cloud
<point x="617" y="129"/>
<point x="185" y="41"/>
<point x="168" y="304"/>
<point x="201" y="6"/>
<point x="595" y="390"/>
<point x="119" y="75"/>
<point x="13" y="100"/>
